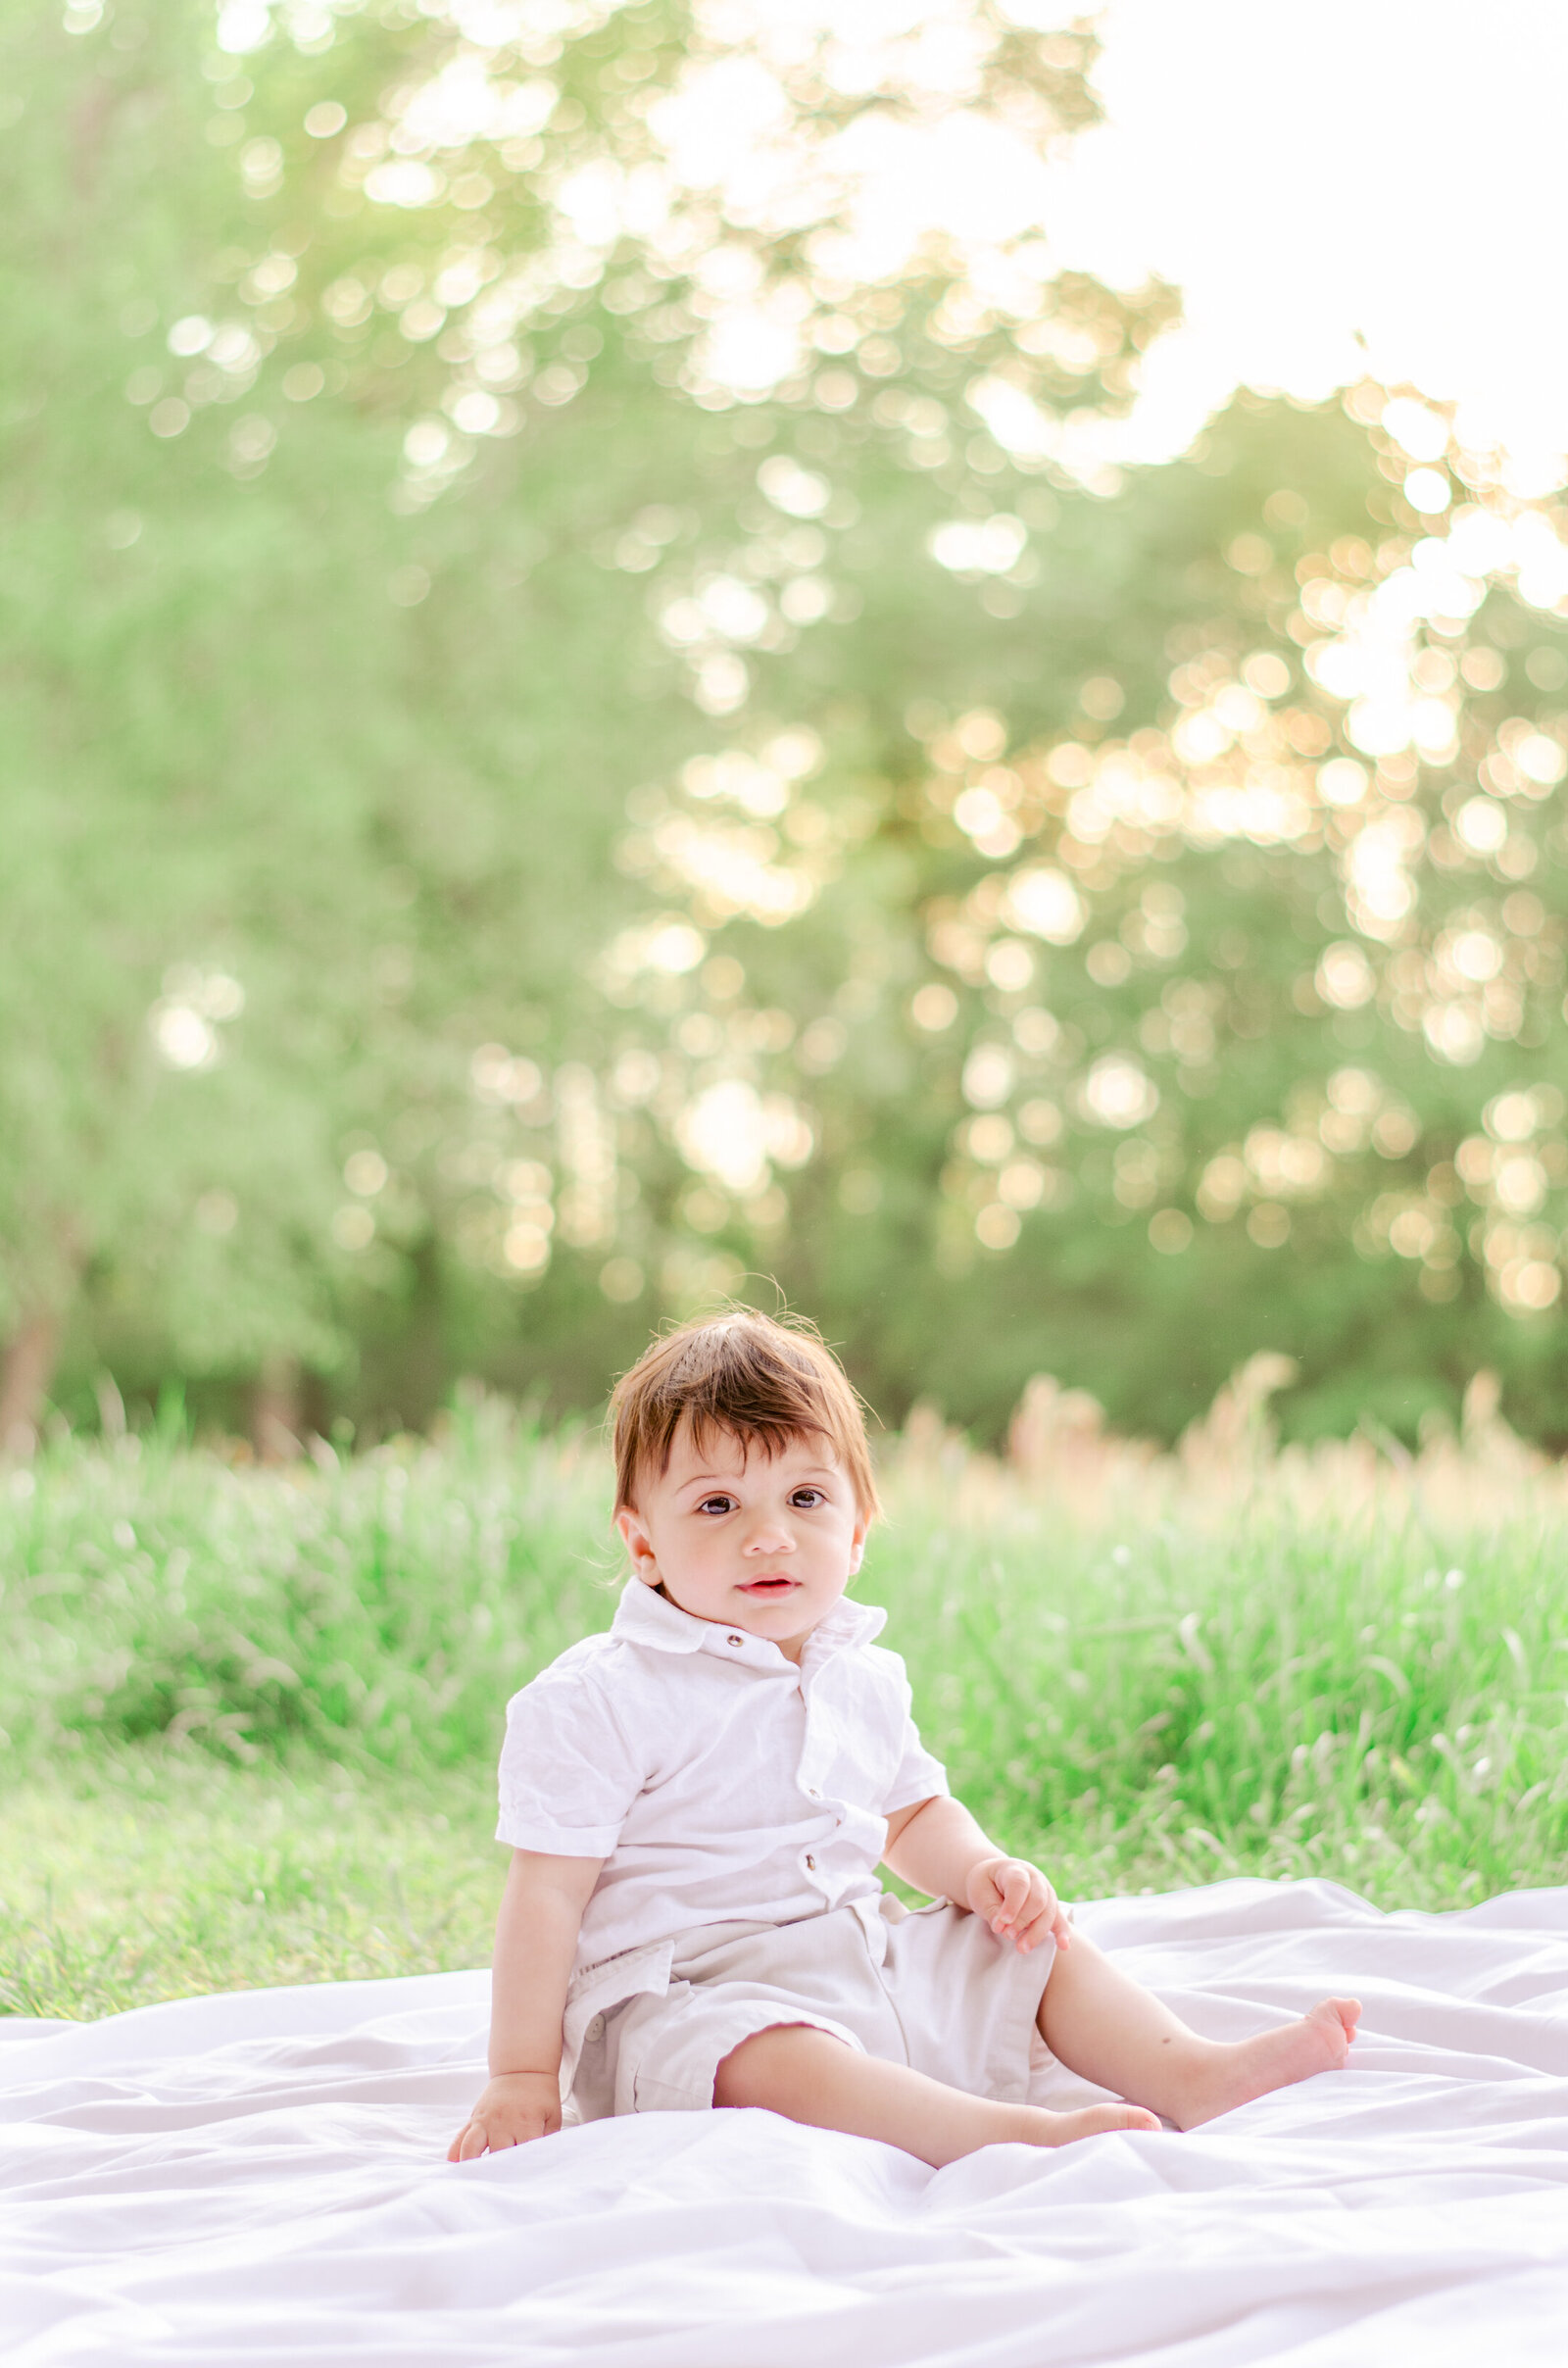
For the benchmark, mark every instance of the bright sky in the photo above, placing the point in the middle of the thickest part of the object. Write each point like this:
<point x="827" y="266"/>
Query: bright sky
<point x="1307" y="170"/>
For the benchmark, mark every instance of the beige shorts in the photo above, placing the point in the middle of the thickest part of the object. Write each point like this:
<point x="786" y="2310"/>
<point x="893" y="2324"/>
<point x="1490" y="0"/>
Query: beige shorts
<point x="931" y="1988"/>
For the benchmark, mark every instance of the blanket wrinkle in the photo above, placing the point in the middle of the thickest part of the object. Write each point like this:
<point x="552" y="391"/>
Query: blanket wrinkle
<point x="258" y="2178"/>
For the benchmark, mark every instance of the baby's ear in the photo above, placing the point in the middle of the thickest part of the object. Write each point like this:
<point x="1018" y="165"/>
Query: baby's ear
<point x="639" y="1546"/>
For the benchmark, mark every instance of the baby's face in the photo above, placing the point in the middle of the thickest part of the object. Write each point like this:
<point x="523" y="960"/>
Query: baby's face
<point x="766" y="1544"/>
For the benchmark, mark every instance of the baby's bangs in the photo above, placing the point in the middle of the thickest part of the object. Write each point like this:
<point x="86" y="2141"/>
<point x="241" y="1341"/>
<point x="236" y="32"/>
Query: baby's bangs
<point x="767" y="1439"/>
<point x="747" y="1377"/>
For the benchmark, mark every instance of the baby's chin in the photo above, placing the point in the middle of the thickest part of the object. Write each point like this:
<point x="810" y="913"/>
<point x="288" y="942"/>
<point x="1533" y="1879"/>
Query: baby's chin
<point x="789" y="1612"/>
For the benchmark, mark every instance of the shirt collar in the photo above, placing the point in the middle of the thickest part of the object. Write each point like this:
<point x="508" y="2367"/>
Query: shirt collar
<point x="645" y="1617"/>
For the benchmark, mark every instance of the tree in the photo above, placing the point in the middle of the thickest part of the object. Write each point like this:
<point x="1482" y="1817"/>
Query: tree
<point x="175" y="1200"/>
<point x="200" y="721"/>
<point x="1261" y="946"/>
<point x="725" y="768"/>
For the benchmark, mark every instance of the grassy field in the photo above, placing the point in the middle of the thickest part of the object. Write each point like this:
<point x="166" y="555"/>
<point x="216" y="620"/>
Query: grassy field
<point x="250" y="1717"/>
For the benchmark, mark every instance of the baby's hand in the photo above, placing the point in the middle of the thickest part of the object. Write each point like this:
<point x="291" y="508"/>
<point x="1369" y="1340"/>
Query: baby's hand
<point x="515" y="2107"/>
<point x="1018" y="1902"/>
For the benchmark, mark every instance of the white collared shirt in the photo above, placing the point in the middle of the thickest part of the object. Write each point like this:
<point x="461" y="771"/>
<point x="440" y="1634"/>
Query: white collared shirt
<point x="719" y="1782"/>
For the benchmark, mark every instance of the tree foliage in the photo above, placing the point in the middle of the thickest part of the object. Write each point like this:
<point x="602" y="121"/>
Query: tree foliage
<point x="595" y="708"/>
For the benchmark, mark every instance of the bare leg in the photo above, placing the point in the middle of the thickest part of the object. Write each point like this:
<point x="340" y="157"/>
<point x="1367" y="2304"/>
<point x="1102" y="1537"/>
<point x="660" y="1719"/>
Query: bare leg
<point x="808" y="2076"/>
<point x="1105" y="2027"/>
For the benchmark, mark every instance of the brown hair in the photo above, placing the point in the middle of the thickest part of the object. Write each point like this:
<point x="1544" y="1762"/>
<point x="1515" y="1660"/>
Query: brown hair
<point x="762" y="1381"/>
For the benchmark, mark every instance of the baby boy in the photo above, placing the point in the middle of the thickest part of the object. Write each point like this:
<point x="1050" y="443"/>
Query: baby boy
<point x="698" y="1803"/>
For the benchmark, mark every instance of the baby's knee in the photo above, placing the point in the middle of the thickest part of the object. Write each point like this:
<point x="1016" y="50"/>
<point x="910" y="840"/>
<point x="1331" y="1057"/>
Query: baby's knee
<point x="757" y="2072"/>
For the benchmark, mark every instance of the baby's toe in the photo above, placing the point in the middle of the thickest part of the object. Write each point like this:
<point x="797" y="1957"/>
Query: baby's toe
<point x="1336" y="2020"/>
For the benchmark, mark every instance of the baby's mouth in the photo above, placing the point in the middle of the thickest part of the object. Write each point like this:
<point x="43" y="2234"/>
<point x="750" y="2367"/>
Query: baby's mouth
<point x="770" y="1586"/>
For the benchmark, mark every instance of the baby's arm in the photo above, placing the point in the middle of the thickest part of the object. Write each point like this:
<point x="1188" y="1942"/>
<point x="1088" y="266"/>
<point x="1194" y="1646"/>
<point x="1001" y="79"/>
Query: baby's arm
<point x="536" y="1942"/>
<point x="936" y="1847"/>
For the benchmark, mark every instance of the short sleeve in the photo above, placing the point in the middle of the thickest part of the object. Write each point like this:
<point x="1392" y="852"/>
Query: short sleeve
<point x="920" y="1776"/>
<point x="568" y="1773"/>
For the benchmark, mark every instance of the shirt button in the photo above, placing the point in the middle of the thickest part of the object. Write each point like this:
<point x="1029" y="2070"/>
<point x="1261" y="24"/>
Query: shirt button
<point x="812" y="1793"/>
<point x="734" y="1639"/>
<point x="811" y="1863"/>
<point x="596" y="2029"/>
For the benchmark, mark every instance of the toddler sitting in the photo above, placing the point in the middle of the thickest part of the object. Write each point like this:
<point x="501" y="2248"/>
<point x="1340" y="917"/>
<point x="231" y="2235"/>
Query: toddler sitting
<point x="698" y="1801"/>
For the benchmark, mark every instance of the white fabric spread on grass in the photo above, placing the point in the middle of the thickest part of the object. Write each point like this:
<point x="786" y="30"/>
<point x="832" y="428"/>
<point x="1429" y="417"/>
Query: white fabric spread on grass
<point x="258" y="2178"/>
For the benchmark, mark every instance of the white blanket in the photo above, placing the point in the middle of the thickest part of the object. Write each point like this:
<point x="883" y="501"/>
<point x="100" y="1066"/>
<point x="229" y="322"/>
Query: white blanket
<point x="258" y="2178"/>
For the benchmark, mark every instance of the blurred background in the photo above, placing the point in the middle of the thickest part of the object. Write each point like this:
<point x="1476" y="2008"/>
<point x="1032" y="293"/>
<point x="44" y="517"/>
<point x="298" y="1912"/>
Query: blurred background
<point x="915" y="649"/>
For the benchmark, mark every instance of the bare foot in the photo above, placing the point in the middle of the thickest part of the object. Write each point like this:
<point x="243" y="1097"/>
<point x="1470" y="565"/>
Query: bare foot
<point x="1092" y="2121"/>
<point x="1224" y="2076"/>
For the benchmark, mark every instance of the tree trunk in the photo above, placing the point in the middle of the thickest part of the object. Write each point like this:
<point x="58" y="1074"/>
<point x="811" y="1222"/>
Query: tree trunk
<point x="25" y="1371"/>
<point x="276" y="1420"/>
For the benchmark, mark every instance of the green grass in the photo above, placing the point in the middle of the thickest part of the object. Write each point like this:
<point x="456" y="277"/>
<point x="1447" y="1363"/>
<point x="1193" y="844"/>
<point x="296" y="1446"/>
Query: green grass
<point x="250" y="1719"/>
<point x="134" y="1875"/>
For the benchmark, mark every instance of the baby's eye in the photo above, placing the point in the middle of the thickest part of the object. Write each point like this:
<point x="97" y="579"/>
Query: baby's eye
<point x="807" y="1497"/>
<point x="716" y="1504"/>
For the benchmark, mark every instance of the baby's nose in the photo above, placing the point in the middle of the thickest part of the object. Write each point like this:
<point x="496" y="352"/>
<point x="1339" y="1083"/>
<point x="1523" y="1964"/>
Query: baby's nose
<point x="769" y="1535"/>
